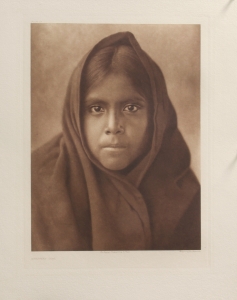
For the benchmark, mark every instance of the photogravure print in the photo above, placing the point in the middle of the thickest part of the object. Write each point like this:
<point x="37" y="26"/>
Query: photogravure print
<point x="115" y="137"/>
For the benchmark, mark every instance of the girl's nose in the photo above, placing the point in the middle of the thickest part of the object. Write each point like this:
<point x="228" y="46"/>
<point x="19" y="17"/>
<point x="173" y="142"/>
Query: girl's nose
<point x="114" y="124"/>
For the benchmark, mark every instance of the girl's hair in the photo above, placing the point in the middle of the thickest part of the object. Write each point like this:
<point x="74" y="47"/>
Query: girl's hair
<point x="121" y="59"/>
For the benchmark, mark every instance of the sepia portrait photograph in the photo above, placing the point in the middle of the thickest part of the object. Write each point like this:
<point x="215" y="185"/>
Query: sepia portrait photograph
<point x="115" y="137"/>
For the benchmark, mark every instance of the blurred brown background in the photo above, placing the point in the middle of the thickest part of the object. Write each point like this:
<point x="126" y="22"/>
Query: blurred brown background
<point x="57" y="48"/>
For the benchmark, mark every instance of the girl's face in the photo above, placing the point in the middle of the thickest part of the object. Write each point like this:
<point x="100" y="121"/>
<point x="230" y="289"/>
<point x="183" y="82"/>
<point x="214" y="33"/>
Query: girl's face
<point x="115" y="122"/>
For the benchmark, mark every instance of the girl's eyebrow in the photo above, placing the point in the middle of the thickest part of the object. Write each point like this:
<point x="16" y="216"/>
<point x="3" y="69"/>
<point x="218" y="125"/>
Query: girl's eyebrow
<point x="134" y="99"/>
<point x="92" y="100"/>
<point x="95" y="100"/>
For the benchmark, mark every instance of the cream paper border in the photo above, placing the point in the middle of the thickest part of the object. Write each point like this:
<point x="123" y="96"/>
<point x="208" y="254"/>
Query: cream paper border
<point x="123" y="259"/>
<point x="18" y="278"/>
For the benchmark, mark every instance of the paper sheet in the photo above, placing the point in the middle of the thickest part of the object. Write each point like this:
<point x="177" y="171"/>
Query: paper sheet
<point x="209" y="274"/>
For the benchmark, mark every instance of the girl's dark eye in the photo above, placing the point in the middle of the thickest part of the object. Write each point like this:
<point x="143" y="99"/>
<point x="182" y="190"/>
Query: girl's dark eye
<point x="131" y="108"/>
<point x="96" y="109"/>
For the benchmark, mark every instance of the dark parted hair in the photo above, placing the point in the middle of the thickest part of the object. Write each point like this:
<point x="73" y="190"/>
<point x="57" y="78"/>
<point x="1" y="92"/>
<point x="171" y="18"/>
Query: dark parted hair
<point x="120" y="59"/>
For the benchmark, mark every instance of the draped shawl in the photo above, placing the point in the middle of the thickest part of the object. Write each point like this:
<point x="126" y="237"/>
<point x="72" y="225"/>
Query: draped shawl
<point x="77" y="204"/>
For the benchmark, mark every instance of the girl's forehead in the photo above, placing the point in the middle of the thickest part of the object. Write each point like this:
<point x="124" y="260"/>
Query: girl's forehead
<point x="114" y="87"/>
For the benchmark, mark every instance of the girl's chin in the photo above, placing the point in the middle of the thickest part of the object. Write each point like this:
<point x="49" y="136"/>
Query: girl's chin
<point x="115" y="167"/>
<point x="118" y="159"/>
<point x="115" y="164"/>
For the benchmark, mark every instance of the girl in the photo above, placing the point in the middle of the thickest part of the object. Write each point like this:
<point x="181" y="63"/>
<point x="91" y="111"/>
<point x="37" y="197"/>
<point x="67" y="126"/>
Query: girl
<point x="118" y="177"/>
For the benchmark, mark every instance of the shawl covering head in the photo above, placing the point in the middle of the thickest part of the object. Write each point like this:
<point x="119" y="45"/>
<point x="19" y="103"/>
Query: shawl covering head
<point x="77" y="204"/>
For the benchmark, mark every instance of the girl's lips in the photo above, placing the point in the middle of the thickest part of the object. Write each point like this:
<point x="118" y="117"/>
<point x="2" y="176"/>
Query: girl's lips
<point x="114" y="146"/>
